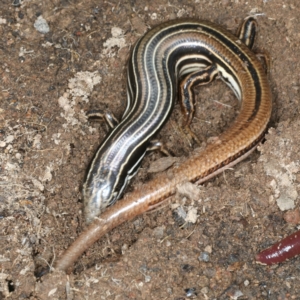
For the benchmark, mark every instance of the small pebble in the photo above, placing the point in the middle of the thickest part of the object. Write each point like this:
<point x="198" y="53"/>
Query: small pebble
<point x="204" y="290"/>
<point x="292" y="216"/>
<point x="41" y="25"/>
<point x="204" y="256"/>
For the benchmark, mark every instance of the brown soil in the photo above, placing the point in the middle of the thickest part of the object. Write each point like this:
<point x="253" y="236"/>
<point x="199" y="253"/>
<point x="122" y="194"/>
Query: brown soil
<point x="48" y="82"/>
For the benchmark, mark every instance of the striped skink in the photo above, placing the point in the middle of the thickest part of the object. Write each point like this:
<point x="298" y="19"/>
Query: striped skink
<point x="196" y="51"/>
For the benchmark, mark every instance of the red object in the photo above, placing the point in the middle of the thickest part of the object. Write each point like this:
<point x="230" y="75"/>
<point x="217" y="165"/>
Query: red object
<point x="285" y="249"/>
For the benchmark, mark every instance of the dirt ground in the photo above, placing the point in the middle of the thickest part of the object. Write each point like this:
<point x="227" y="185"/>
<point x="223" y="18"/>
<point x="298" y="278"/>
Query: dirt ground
<point x="49" y="80"/>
